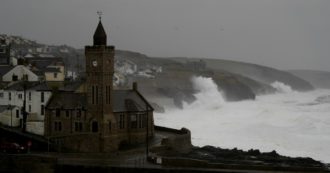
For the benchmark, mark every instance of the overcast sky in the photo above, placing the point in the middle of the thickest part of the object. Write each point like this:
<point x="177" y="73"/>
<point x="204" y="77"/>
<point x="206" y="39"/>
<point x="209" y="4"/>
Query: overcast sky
<point x="286" y="34"/>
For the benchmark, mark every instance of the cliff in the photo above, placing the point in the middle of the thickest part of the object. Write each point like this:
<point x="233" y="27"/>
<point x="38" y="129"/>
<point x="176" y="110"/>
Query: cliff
<point x="319" y="79"/>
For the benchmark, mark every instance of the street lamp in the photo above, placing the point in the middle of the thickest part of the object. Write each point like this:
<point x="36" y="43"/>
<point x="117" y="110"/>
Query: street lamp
<point x="147" y="135"/>
<point x="25" y="114"/>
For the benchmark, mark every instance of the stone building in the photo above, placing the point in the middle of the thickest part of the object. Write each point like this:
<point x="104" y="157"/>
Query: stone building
<point x="94" y="117"/>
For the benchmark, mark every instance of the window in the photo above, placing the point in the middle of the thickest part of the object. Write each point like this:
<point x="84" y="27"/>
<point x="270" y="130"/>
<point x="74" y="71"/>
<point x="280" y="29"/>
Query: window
<point x="14" y="78"/>
<point x="95" y="127"/>
<point x="134" y="121"/>
<point x="9" y="95"/>
<point x="93" y="101"/>
<point x="30" y="108"/>
<point x="67" y="113"/>
<point x="1" y="95"/>
<point x="42" y="110"/>
<point x="78" y="126"/>
<point x="121" y="121"/>
<point x="17" y="113"/>
<point x="20" y="96"/>
<point x="2" y="50"/>
<point x="30" y="95"/>
<point x="109" y="126"/>
<point x="107" y="94"/>
<point x="142" y="120"/>
<point x="58" y="112"/>
<point x="95" y="96"/>
<point x="26" y="77"/>
<point x="58" y="126"/>
<point x="42" y="97"/>
<point x="55" y="75"/>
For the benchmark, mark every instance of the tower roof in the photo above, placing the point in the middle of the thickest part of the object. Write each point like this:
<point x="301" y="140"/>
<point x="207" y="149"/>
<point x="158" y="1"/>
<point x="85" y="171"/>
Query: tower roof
<point x="100" y="37"/>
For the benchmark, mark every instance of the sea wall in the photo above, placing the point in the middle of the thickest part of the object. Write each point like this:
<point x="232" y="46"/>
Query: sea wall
<point x="47" y="164"/>
<point x="180" y="140"/>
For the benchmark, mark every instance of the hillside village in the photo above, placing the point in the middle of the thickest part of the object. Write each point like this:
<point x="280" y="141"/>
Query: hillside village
<point x="48" y="68"/>
<point x="32" y="74"/>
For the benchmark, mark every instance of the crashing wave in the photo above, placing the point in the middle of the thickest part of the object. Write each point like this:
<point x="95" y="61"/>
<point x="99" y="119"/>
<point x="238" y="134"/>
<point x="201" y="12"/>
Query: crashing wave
<point x="281" y="87"/>
<point x="208" y="95"/>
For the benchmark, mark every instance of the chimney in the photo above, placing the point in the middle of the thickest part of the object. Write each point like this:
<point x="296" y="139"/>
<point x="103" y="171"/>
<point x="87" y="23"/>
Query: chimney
<point x="135" y="86"/>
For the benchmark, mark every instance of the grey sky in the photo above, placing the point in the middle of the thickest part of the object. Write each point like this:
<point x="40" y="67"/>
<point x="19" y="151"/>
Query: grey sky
<point x="286" y="34"/>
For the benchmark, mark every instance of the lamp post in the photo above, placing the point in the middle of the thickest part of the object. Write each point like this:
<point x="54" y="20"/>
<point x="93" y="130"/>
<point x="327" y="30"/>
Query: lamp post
<point x="147" y="135"/>
<point x="11" y="116"/>
<point x="24" y="107"/>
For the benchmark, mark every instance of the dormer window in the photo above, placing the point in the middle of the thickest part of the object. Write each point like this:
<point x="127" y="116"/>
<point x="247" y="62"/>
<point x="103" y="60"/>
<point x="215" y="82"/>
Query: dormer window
<point x="14" y="77"/>
<point x="26" y="77"/>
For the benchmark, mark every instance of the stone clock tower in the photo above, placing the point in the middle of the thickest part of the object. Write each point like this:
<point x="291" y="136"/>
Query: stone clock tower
<point x="98" y="118"/>
<point x="99" y="71"/>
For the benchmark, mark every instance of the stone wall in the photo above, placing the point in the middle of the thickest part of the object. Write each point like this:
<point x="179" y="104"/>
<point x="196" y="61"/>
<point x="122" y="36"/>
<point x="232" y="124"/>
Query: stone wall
<point x="45" y="164"/>
<point x="180" y="141"/>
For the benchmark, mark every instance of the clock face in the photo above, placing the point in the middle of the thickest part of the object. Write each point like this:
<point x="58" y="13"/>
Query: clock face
<point x="94" y="63"/>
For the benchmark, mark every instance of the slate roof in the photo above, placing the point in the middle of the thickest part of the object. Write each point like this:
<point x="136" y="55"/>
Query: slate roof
<point x="100" y="37"/>
<point x="43" y="63"/>
<point x="129" y="100"/>
<point x="71" y="86"/>
<point x="123" y="101"/>
<point x="4" y="69"/>
<point x="51" y="69"/>
<point x="40" y="87"/>
<point x="67" y="100"/>
<point x="3" y="85"/>
<point x="19" y="86"/>
<point x="38" y="72"/>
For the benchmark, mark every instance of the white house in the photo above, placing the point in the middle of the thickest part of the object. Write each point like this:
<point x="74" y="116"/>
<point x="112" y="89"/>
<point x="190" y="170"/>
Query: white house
<point x="36" y="100"/>
<point x="20" y="72"/>
<point x="11" y="102"/>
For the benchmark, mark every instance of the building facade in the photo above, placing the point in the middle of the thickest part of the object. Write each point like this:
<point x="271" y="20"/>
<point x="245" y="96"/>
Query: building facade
<point x="12" y="100"/>
<point x="98" y="119"/>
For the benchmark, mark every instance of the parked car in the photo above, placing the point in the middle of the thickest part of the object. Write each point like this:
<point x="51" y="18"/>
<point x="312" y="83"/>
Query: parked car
<point x="12" y="147"/>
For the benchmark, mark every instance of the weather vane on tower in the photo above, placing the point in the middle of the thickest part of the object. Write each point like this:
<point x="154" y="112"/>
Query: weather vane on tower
<point x="100" y="13"/>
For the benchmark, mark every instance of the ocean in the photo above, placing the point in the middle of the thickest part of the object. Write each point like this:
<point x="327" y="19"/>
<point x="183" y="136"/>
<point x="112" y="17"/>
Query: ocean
<point x="293" y="123"/>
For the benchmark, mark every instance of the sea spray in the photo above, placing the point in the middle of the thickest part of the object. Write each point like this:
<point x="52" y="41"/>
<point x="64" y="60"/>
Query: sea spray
<point x="284" y="122"/>
<point x="208" y="95"/>
<point x="281" y="87"/>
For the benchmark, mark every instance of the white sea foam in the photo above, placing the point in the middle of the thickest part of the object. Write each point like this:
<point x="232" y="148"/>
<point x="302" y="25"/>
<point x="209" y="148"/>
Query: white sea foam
<point x="281" y="87"/>
<point x="284" y="122"/>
